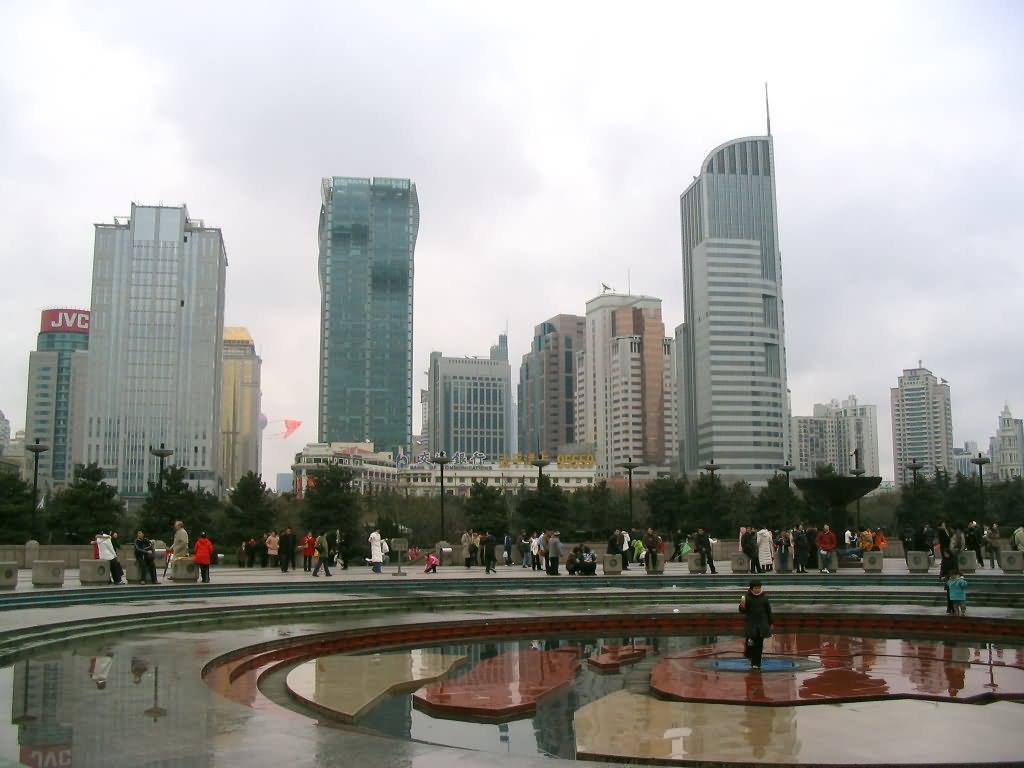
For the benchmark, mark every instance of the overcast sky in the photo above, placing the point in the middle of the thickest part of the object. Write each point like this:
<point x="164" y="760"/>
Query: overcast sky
<point x="549" y="143"/>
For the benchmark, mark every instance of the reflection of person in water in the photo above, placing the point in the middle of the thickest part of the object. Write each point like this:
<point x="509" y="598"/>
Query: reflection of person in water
<point x="99" y="669"/>
<point x="139" y="668"/>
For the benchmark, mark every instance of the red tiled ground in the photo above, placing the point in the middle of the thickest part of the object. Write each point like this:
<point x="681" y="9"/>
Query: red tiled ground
<point x="850" y="669"/>
<point x="501" y="687"/>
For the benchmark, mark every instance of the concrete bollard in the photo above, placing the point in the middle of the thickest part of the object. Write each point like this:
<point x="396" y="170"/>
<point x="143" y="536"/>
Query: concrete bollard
<point x="611" y="564"/>
<point x="740" y="562"/>
<point x="183" y="569"/>
<point x="784" y="563"/>
<point x="1011" y="561"/>
<point x="8" y="575"/>
<point x="48" y="573"/>
<point x="131" y="571"/>
<point x="872" y="562"/>
<point x="94" y="572"/>
<point x="693" y="563"/>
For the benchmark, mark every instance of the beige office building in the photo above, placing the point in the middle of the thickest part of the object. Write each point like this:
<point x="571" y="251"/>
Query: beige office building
<point x="241" y="436"/>
<point x="626" y="385"/>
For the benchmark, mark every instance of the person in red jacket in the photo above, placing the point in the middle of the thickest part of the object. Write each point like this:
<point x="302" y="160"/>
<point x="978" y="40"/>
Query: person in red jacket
<point x="825" y="541"/>
<point x="308" y="550"/>
<point x="203" y="555"/>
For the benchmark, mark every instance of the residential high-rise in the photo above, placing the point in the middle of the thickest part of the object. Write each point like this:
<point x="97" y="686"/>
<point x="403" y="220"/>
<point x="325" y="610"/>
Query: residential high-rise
<point x="832" y="435"/>
<point x="547" y="386"/>
<point x="156" y="348"/>
<point x="241" y="436"/>
<point x="625" y="385"/>
<point x="470" y="406"/>
<point x="922" y="424"/>
<point x="733" y="395"/>
<point x="55" y="377"/>
<point x="1008" y="456"/>
<point x="5" y="432"/>
<point x="367" y="238"/>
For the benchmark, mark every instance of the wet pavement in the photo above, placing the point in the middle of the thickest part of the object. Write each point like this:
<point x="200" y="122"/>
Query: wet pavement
<point x="137" y="697"/>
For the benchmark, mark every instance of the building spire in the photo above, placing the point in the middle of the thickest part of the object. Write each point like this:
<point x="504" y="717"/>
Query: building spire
<point x="767" y="112"/>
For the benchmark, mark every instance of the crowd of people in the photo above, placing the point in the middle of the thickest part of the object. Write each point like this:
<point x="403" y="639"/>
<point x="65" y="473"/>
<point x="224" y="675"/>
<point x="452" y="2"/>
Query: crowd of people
<point x="800" y="549"/>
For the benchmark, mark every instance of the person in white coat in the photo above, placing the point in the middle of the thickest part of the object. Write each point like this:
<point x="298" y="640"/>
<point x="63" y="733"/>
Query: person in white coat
<point x="105" y="550"/>
<point x="376" y="551"/>
<point x="765" y="549"/>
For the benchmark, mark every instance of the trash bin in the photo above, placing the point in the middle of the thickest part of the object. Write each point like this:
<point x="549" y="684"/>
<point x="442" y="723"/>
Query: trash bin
<point x="444" y="553"/>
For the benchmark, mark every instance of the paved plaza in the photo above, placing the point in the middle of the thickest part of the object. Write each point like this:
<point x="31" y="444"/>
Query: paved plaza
<point x="128" y="675"/>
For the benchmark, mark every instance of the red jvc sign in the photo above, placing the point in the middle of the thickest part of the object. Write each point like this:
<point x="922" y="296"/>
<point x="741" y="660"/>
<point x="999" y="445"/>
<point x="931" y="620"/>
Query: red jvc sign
<point x="65" y="321"/>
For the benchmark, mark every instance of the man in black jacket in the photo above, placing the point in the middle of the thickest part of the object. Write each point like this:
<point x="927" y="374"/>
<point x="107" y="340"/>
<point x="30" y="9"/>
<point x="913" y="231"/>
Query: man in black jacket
<point x="757" y="623"/>
<point x="702" y="543"/>
<point x="286" y="549"/>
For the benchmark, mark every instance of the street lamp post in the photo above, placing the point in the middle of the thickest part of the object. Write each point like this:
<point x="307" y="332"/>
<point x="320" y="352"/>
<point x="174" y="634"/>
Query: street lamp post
<point x="629" y="466"/>
<point x="441" y="459"/>
<point x="915" y="466"/>
<point x="161" y="453"/>
<point x="35" y="448"/>
<point x="980" y="461"/>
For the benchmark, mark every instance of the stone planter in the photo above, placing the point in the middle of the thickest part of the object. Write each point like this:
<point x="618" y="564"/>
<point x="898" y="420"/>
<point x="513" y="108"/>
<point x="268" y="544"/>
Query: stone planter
<point x="1011" y="561"/>
<point x="611" y="564"/>
<point x="659" y="566"/>
<point x="48" y="573"/>
<point x="8" y="575"/>
<point x="784" y="563"/>
<point x="918" y="562"/>
<point x="94" y="572"/>
<point x="872" y="561"/>
<point x="693" y="563"/>
<point x="966" y="561"/>
<point x="131" y="571"/>
<point x="740" y="562"/>
<point x="183" y="569"/>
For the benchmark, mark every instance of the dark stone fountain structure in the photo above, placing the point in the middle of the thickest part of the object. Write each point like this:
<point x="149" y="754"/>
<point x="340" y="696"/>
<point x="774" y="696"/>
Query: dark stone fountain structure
<point x="830" y="495"/>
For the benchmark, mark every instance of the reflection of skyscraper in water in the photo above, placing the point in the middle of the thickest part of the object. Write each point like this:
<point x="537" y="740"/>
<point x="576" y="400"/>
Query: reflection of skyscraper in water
<point x="44" y="730"/>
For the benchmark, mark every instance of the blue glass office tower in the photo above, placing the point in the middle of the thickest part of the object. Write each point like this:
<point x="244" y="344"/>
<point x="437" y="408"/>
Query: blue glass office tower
<point x="367" y="236"/>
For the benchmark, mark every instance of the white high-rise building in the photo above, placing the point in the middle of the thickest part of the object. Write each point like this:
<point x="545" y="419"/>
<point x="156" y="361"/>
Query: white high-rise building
<point x="156" y="348"/>
<point x="626" y="385"/>
<point x="732" y="391"/>
<point x="922" y="424"/>
<point x="1008" y="453"/>
<point x="833" y="434"/>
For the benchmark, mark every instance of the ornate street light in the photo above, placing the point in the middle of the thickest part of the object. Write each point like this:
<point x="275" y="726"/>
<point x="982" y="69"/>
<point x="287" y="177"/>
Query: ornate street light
<point x="35" y="448"/>
<point x="787" y="468"/>
<point x="711" y="468"/>
<point x="441" y="459"/>
<point x="629" y="466"/>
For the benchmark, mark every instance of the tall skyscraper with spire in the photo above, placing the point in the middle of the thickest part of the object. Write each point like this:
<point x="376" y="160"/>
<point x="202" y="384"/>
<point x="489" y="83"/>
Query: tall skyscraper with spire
<point x="367" y="237"/>
<point x="732" y="387"/>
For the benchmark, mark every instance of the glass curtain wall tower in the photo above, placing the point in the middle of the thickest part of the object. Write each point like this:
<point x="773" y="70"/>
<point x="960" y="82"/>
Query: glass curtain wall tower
<point x="733" y="401"/>
<point x="367" y="238"/>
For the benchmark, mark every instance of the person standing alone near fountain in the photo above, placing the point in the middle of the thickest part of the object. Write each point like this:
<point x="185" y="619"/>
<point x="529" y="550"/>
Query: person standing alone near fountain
<point x="757" y="611"/>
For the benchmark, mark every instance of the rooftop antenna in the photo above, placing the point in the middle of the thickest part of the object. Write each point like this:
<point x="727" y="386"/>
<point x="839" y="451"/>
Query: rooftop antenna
<point x="767" y="112"/>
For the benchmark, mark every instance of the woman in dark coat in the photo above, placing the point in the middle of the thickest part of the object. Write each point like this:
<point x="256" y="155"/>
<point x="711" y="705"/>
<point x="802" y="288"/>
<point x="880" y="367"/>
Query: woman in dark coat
<point x="758" y="622"/>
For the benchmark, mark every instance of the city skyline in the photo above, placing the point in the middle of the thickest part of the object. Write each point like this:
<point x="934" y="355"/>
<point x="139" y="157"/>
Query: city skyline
<point x="565" y="177"/>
